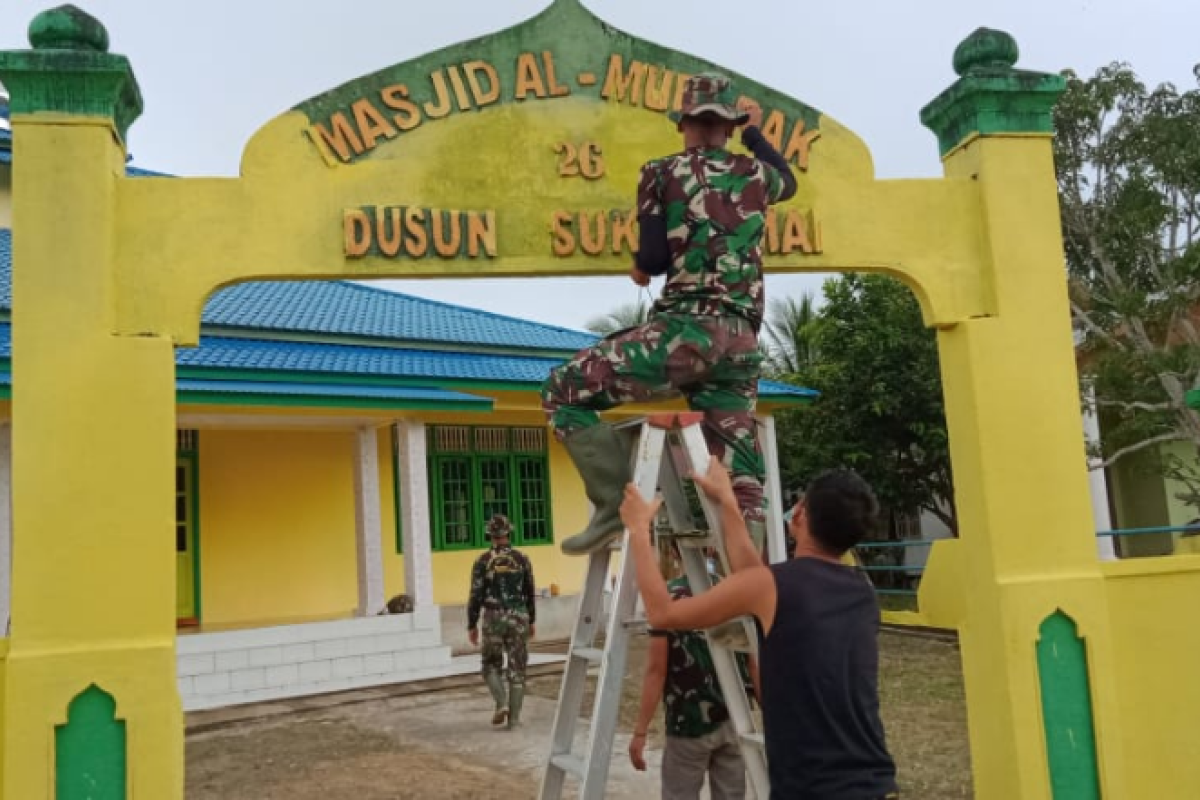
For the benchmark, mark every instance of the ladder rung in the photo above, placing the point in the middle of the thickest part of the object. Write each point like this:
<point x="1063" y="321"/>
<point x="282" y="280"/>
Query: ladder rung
<point x="695" y="542"/>
<point x="637" y="622"/>
<point x="568" y="763"/>
<point x="730" y="635"/>
<point x="695" y="533"/>
<point x="754" y="740"/>
<point x="593" y="655"/>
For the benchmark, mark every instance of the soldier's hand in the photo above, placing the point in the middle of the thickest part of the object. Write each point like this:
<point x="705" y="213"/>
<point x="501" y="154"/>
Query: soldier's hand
<point x="716" y="482"/>
<point x="533" y="631"/>
<point x="751" y="107"/>
<point x="637" y="752"/>
<point x="473" y="637"/>
<point x="638" y="277"/>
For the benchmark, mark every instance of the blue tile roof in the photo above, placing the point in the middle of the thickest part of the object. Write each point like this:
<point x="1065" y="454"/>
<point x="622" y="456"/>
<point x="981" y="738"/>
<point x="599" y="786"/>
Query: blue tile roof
<point x="774" y="390"/>
<point x="400" y="395"/>
<point x="309" y="359"/>
<point x="341" y="308"/>
<point x="5" y="269"/>
<point x="362" y="361"/>
<point x="375" y="396"/>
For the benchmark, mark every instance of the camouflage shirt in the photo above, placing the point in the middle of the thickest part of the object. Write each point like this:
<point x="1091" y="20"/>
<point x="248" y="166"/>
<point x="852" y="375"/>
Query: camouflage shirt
<point x="714" y="204"/>
<point x="502" y="578"/>
<point x="692" y="695"/>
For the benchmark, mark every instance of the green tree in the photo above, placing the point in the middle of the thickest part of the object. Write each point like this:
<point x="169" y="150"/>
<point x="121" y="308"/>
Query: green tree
<point x="790" y="335"/>
<point x="1128" y="162"/>
<point x="880" y="411"/>
<point x="624" y="316"/>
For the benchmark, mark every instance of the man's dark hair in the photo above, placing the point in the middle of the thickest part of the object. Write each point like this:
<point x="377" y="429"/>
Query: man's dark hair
<point x="841" y="508"/>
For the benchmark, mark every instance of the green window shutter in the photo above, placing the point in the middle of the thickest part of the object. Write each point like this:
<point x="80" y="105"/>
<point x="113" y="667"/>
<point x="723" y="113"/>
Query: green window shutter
<point x="533" y="490"/>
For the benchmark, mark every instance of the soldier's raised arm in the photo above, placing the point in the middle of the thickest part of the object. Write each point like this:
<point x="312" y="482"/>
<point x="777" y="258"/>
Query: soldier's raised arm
<point x="781" y="181"/>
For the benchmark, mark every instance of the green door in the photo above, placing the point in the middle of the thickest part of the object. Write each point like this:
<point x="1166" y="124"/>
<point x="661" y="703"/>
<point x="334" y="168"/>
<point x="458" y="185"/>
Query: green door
<point x="185" y="538"/>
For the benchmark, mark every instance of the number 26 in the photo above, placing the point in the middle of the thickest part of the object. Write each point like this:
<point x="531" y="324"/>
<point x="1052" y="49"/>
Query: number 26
<point x="586" y="160"/>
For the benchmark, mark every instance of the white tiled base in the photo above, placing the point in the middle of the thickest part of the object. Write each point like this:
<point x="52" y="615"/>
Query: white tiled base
<point x="250" y="666"/>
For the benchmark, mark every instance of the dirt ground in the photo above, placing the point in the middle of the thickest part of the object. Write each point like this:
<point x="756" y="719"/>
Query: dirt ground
<point x="439" y="744"/>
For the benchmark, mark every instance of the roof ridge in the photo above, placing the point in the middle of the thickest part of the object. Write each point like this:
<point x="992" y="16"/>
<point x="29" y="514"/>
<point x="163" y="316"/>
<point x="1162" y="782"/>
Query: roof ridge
<point x="457" y="307"/>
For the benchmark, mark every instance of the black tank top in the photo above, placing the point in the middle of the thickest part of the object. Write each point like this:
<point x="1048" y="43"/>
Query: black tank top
<point x="820" y="670"/>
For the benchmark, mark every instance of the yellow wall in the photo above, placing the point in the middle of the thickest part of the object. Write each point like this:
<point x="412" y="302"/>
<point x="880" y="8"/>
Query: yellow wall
<point x="277" y="537"/>
<point x="1156" y="655"/>
<point x="277" y="527"/>
<point x="393" y="561"/>
<point x="277" y="524"/>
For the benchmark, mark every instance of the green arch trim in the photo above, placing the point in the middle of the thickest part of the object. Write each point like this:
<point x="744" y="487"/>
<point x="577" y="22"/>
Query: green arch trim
<point x="1067" y="710"/>
<point x="89" y="750"/>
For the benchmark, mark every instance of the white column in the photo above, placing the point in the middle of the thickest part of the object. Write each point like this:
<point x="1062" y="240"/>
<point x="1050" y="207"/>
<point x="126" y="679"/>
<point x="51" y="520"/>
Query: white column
<point x="1097" y="482"/>
<point x="368" y="528"/>
<point x="5" y="525"/>
<point x="414" y="505"/>
<point x="772" y="489"/>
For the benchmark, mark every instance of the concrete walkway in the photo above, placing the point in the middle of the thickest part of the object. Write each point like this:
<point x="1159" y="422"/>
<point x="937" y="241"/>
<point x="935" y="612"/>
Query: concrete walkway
<point x="451" y="717"/>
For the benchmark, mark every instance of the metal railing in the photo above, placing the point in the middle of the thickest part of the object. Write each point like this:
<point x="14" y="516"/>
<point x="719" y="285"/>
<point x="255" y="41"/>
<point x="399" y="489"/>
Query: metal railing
<point x="915" y="571"/>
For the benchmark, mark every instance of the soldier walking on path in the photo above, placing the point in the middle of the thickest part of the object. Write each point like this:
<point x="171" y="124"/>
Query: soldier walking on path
<point x="502" y="588"/>
<point x="701" y="217"/>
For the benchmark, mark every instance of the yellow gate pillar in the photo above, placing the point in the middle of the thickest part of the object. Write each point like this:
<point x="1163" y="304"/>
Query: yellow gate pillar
<point x="1036" y="645"/>
<point x="89" y="685"/>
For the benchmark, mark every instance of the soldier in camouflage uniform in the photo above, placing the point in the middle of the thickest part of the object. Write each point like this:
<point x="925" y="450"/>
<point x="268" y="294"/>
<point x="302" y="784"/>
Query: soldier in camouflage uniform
<point x="701" y="217"/>
<point x="701" y="739"/>
<point x="502" y="588"/>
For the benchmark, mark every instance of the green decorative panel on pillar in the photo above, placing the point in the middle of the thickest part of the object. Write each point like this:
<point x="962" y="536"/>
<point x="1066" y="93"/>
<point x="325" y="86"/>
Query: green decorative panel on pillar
<point x="89" y="751"/>
<point x="1067" y="710"/>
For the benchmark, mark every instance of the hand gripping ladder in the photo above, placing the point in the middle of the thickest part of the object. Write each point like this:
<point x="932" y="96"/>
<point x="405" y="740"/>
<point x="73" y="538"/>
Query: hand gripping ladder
<point x="680" y="438"/>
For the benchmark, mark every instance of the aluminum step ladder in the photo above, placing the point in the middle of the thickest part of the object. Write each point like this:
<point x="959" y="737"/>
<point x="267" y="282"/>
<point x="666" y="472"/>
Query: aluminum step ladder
<point x="669" y="447"/>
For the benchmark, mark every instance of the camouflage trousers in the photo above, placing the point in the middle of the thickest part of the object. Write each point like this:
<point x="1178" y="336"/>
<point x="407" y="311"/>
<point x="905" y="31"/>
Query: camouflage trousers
<point x="713" y="362"/>
<point x="505" y="633"/>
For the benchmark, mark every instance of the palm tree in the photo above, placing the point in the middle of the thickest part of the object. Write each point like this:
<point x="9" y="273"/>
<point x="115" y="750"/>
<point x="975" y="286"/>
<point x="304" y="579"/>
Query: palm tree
<point x="623" y="316"/>
<point x="790" y="335"/>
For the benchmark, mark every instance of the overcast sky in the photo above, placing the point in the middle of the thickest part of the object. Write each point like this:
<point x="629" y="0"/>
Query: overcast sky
<point x="213" y="72"/>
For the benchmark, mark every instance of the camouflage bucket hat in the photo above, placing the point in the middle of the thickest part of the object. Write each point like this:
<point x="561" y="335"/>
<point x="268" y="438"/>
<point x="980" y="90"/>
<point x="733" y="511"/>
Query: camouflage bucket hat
<point x="709" y="93"/>
<point x="498" y="526"/>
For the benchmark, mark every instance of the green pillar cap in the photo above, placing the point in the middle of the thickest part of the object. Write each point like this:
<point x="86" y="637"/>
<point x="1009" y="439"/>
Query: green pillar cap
<point x="986" y="49"/>
<point x="70" y="71"/>
<point x="67" y="28"/>
<point x="991" y="96"/>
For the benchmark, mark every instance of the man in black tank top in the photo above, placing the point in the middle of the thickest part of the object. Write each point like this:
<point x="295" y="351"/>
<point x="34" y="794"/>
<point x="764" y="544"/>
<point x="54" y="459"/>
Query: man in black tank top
<point x="818" y="622"/>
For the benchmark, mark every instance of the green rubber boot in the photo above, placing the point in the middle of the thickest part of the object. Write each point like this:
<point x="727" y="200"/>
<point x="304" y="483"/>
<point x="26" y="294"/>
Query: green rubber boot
<point x="516" y="699"/>
<point x="602" y="457"/>
<point x="495" y="684"/>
